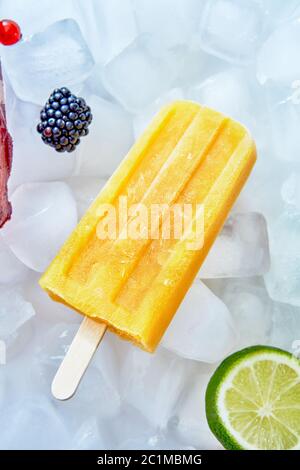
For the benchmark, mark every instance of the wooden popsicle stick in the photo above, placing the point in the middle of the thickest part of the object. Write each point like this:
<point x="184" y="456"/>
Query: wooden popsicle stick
<point x="77" y="359"/>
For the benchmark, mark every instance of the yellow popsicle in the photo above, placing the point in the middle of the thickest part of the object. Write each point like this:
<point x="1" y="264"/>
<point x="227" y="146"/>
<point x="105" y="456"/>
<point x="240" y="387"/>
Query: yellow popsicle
<point x="188" y="155"/>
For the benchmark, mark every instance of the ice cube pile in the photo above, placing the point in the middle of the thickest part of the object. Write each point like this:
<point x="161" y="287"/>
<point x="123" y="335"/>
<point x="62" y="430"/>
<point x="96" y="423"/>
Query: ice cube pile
<point x="127" y="58"/>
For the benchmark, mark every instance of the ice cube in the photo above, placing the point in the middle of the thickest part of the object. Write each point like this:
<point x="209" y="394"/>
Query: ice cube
<point x="251" y="309"/>
<point x="37" y="15"/>
<point x="283" y="279"/>
<point x="99" y="384"/>
<point x="232" y="30"/>
<point x="44" y="215"/>
<point x="95" y="397"/>
<point x="3" y="383"/>
<point x="15" y="316"/>
<point x="46" y="308"/>
<point x="159" y="441"/>
<point x="11" y="269"/>
<point x="290" y="190"/>
<point x="230" y="92"/>
<point x="197" y="66"/>
<point x="202" y="328"/>
<point x="278" y="58"/>
<point x="134" y="426"/>
<point x="279" y="11"/>
<point x="56" y="57"/>
<point x="88" y="436"/>
<point x="153" y="383"/>
<point x="241" y="250"/>
<point x="94" y="84"/>
<point x="51" y="351"/>
<point x="85" y="190"/>
<point x="142" y="119"/>
<point x="172" y="21"/>
<point x="109" y="140"/>
<point x="137" y="433"/>
<point x="284" y="123"/>
<point x="108" y="363"/>
<point x="190" y="424"/>
<point x="285" y="330"/>
<point x="32" y="159"/>
<point x="107" y="26"/>
<point x="32" y="424"/>
<point x="261" y="193"/>
<point x="140" y="73"/>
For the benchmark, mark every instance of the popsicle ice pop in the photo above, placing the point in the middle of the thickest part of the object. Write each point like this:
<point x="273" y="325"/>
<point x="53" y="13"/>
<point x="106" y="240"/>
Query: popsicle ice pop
<point x="188" y="155"/>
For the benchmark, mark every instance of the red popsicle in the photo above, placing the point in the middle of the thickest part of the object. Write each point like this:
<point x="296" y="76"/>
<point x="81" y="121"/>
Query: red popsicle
<point x="5" y="160"/>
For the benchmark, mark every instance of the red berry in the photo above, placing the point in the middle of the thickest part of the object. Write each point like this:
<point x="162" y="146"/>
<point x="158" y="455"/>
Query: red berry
<point x="47" y="132"/>
<point x="10" y="32"/>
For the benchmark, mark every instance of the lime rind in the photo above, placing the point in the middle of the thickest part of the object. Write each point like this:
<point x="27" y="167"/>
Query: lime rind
<point x="248" y="399"/>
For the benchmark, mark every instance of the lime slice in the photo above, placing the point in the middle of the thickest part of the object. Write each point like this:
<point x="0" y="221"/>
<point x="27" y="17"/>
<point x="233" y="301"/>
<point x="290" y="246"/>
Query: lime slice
<point x="253" y="400"/>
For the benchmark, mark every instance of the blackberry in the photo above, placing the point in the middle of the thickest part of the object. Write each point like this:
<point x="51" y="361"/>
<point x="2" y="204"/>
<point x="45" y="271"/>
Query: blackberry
<point x="64" y="120"/>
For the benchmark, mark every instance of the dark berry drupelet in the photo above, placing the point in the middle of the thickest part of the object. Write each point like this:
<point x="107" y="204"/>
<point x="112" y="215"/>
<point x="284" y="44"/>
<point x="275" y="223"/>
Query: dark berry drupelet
<point x="64" y="120"/>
